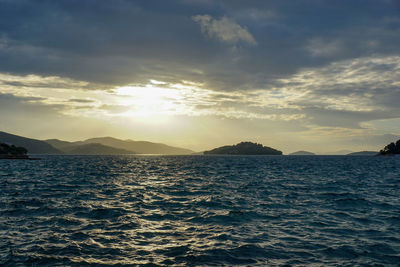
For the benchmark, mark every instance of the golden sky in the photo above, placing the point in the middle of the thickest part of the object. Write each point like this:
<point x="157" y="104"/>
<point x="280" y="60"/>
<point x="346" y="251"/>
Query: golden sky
<point x="197" y="74"/>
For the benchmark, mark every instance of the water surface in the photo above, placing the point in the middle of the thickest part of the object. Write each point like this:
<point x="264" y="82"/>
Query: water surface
<point x="200" y="210"/>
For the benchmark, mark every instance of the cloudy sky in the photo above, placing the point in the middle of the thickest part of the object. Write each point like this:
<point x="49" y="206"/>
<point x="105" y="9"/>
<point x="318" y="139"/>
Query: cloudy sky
<point x="311" y="75"/>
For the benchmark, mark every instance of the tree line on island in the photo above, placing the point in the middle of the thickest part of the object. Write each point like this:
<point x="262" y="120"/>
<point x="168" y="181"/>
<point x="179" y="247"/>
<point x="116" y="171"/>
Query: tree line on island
<point x="12" y="152"/>
<point x="391" y="149"/>
<point x="244" y="148"/>
<point x="13" y="146"/>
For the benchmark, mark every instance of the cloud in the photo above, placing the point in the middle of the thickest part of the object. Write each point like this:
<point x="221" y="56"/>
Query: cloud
<point x="120" y="41"/>
<point x="308" y="67"/>
<point x="8" y="100"/>
<point x="39" y="81"/>
<point x="78" y="100"/>
<point x="28" y="111"/>
<point x="343" y="118"/>
<point x="115" y="108"/>
<point x="224" y="29"/>
<point x="342" y="94"/>
<point x="322" y="48"/>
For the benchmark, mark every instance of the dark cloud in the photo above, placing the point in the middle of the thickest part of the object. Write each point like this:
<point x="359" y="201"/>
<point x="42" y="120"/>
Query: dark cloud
<point x="9" y="100"/>
<point x="344" y="118"/>
<point x="77" y="100"/>
<point x="118" y="42"/>
<point x="344" y="56"/>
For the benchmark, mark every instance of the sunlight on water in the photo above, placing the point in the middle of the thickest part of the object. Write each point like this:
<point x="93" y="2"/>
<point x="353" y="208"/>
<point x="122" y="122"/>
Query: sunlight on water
<point x="200" y="210"/>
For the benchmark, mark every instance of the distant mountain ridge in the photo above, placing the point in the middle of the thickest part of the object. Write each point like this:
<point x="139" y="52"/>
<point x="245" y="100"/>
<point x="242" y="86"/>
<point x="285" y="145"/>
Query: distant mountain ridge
<point x="140" y="147"/>
<point x="93" y="146"/>
<point x="126" y="146"/>
<point x="80" y="148"/>
<point x="32" y="145"/>
<point x="96" y="149"/>
<point x="339" y="152"/>
<point x="59" y="144"/>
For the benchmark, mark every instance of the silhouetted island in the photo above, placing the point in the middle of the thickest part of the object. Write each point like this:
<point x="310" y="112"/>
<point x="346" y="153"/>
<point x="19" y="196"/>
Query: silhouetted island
<point x="302" y="153"/>
<point x="391" y="149"/>
<point x="363" y="153"/>
<point x="12" y="152"/>
<point x="244" y="148"/>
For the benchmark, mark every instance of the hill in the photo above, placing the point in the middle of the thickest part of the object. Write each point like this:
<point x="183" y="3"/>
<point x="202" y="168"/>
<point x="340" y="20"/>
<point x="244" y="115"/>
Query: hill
<point x="244" y="148"/>
<point x="95" y="149"/>
<point x="391" y="149"/>
<point x="302" y="153"/>
<point x="140" y="147"/>
<point x="363" y="153"/>
<point x="61" y="145"/>
<point x="32" y="145"/>
<point x="339" y="152"/>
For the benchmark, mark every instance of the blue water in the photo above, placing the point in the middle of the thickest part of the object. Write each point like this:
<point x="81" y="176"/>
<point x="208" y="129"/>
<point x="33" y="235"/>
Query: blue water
<point x="200" y="211"/>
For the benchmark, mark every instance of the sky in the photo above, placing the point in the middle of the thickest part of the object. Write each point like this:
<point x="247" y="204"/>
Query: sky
<point x="293" y="75"/>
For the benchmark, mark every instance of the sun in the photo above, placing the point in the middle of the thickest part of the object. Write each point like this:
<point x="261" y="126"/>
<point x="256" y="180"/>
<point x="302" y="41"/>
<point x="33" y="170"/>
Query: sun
<point x="150" y="100"/>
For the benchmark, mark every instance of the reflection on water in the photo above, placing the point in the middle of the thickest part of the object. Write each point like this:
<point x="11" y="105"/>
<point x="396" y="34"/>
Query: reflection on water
<point x="200" y="210"/>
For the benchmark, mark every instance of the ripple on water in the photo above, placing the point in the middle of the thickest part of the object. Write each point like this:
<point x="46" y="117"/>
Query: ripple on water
<point x="200" y="210"/>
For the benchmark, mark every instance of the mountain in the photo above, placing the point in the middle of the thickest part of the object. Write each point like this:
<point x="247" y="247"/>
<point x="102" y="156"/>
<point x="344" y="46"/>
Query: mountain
<point x="32" y="145"/>
<point x="61" y="145"/>
<point x="302" y="153"/>
<point x="137" y="147"/>
<point x="140" y="147"/>
<point x="95" y="149"/>
<point x="244" y="148"/>
<point x="391" y="149"/>
<point x="339" y="152"/>
<point x="363" y="153"/>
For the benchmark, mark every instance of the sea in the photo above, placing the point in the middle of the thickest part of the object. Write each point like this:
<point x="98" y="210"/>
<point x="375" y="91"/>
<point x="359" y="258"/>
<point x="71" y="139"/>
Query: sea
<point x="200" y="211"/>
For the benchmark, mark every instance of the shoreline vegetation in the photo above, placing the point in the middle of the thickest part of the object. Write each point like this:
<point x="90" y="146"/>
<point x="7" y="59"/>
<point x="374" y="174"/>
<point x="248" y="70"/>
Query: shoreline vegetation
<point x="391" y="149"/>
<point x="244" y="148"/>
<point x="12" y="152"/>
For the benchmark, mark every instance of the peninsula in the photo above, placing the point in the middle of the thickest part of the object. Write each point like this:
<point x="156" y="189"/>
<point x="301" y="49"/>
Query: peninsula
<point x="12" y="152"/>
<point x="244" y="148"/>
<point x="391" y="149"/>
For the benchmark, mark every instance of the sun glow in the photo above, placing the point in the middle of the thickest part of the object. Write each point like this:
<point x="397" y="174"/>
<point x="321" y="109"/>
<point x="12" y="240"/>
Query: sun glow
<point x="150" y="100"/>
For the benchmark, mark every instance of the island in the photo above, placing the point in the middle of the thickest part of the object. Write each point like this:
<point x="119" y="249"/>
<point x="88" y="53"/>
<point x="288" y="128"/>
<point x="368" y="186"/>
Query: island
<point x="244" y="148"/>
<point x="391" y="149"/>
<point x="12" y="152"/>
<point x="363" y="153"/>
<point x="302" y="153"/>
